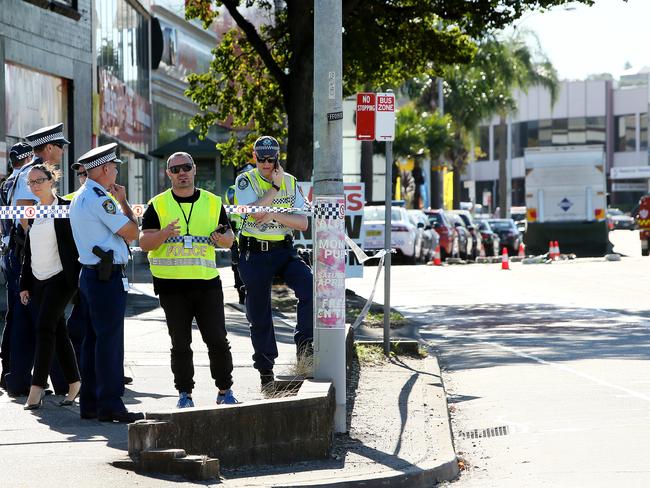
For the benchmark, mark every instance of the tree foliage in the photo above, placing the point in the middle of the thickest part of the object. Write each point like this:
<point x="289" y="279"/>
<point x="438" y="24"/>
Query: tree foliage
<point x="385" y="42"/>
<point x="420" y="133"/>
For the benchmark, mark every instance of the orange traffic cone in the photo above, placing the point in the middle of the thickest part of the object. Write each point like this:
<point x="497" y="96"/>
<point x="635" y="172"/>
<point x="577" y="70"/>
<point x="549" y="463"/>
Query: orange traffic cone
<point x="505" y="260"/>
<point x="436" y="257"/>
<point x="557" y="250"/>
<point x="522" y="252"/>
<point x="551" y="250"/>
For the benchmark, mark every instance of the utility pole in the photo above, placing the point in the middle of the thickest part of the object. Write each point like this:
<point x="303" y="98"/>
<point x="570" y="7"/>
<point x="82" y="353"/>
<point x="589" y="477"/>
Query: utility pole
<point x="329" y="204"/>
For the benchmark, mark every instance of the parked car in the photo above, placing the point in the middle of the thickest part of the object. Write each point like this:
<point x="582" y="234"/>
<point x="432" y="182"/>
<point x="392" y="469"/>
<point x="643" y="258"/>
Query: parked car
<point x="489" y="238"/>
<point x="464" y="236"/>
<point x="403" y="231"/>
<point x="446" y="232"/>
<point x="470" y="225"/>
<point x="508" y="234"/>
<point x="616" y="219"/>
<point x="427" y="237"/>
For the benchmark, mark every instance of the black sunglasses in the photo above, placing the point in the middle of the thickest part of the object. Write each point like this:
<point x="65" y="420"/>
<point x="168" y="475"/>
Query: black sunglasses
<point x="267" y="160"/>
<point x="187" y="167"/>
<point x="82" y="173"/>
<point x="58" y="144"/>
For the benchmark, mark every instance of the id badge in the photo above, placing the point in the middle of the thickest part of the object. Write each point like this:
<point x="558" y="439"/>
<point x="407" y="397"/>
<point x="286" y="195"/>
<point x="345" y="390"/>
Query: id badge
<point x="125" y="283"/>
<point x="187" y="242"/>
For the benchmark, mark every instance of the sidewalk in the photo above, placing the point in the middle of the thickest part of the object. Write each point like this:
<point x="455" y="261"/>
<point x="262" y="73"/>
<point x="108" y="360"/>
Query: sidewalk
<point x="409" y="442"/>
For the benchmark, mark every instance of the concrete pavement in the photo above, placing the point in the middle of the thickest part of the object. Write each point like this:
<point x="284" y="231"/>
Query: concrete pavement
<point x="409" y="444"/>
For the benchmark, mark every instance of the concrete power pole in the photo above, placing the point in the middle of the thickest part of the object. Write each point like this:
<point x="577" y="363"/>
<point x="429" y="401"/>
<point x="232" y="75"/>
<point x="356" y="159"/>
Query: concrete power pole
<point x="328" y="226"/>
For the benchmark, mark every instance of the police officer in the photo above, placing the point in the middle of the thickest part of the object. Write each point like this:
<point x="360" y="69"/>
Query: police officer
<point x="100" y="230"/>
<point x="181" y="228"/>
<point x="20" y="154"/>
<point x="266" y="249"/>
<point x="235" y="222"/>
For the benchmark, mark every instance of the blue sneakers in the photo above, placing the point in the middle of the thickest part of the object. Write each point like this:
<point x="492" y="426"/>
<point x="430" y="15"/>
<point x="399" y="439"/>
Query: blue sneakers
<point x="227" y="398"/>
<point x="184" y="401"/>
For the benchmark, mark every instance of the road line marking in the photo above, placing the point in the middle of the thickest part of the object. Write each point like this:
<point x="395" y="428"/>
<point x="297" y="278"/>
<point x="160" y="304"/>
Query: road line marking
<point x="569" y="370"/>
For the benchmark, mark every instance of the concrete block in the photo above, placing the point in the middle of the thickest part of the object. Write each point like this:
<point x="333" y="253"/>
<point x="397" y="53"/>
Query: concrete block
<point x="196" y="467"/>
<point x="275" y="431"/>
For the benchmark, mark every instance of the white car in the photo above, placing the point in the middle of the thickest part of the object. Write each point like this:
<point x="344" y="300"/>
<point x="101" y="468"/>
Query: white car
<point x="403" y="232"/>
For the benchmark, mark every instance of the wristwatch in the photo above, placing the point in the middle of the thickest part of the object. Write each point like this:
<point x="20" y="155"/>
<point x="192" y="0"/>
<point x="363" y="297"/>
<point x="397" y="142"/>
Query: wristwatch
<point x="276" y="187"/>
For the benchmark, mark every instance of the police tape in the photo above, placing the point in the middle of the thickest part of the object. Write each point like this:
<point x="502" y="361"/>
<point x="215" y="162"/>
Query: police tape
<point x="138" y="209"/>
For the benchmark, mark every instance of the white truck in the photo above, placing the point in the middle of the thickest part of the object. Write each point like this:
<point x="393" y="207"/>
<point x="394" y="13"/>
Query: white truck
<point x="566" y="199"/>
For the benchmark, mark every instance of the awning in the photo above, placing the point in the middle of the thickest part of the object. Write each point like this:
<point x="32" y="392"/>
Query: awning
<point x="190" y="143"/>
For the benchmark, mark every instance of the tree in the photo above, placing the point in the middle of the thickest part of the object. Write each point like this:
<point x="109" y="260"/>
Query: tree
<point x="407" y="38"/>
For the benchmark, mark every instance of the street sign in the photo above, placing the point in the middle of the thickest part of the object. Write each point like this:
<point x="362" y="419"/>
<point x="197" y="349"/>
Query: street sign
<point x="365" y="116"/>
<point x="385" y="117"/>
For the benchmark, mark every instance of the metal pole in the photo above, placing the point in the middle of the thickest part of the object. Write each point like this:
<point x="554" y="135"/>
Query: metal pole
<point x="387" y="244"/>
<point x="329" y="342"/>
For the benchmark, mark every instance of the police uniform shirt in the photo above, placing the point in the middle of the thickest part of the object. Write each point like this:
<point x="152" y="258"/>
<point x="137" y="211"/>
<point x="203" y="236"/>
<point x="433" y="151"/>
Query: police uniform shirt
<point x="246" y="195"/>
<point x="95" y="218"/>
<point x="150" y="220"/>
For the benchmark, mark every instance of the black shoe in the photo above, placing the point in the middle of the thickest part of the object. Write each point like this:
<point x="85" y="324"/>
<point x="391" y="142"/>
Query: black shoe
<point x="128" y="380"/>
<point x="125" y="417"/>
<point x="267" y="380"/>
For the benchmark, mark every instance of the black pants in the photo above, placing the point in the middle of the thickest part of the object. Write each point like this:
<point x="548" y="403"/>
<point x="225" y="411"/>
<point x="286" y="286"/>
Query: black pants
<point x="206" y="305"/>
<point x="51" y="297"/>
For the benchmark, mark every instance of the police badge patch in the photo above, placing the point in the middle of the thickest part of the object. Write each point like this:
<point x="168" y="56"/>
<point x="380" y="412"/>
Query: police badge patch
<point x="242" y="184"/>
<point x="109" y="206"/>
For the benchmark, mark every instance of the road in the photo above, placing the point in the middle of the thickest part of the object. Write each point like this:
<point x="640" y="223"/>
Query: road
<point x="546" y="366"/>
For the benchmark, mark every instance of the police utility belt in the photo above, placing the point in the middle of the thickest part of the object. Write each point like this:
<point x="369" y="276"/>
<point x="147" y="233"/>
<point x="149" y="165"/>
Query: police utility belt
<point x="247" y="243"/>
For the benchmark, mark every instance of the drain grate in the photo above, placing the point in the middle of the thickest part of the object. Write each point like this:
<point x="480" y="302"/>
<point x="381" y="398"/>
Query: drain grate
<point x="482" y="433"/>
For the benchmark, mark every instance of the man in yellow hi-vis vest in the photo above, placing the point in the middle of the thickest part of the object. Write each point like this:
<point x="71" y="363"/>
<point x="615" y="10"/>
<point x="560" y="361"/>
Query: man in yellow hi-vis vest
<point x="266" y="249"/>
<point x="181" y="228"/>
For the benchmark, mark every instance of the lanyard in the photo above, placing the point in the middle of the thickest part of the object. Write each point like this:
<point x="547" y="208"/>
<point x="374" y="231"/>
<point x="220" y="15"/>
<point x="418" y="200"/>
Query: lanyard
<point x="187" y="218"/>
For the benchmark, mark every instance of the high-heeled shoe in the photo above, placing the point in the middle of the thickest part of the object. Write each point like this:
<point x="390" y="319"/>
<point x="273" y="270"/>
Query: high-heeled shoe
<point x="68" y="402"/>
<point x="35" y="406"/>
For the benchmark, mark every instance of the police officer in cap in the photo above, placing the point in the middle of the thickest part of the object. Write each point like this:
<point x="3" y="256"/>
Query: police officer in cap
<point x="20" y="154"/>
<point x="100" y="230"/>
<point x="266" y="249"/>
<point x="235" y="222"/>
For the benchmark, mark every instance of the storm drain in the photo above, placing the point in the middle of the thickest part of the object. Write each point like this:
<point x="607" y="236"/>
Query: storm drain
<point x="482" y="433"/>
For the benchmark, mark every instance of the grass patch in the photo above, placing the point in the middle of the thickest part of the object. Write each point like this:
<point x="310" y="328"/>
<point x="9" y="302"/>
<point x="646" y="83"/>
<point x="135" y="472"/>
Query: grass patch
<point x="368" y="354"/>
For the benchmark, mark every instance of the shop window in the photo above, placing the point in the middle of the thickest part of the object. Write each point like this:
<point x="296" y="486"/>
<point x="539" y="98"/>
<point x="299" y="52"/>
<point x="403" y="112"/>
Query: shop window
<point x="560" y="132"/>
<point x="545" y="132"/>
<point x="67" y="8"/>
<point x="625" y="133"/>
<point x="643" y="126"/>
<point x="596" y="130"/>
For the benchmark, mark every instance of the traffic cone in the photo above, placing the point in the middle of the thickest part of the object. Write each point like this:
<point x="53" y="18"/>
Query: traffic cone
<point x="522" y="252"/>
<point x="436" y="257"/>
<point x="557" y="250"/>
<point x="551" y="250"/>
<point x="505" y="260"/>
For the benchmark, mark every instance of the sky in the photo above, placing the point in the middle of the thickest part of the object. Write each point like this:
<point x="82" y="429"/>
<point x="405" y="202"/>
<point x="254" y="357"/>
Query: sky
<point x="581" y="40"/>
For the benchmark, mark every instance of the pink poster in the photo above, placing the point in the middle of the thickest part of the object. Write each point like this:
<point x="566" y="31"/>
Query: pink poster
<point x="329" y="262"/>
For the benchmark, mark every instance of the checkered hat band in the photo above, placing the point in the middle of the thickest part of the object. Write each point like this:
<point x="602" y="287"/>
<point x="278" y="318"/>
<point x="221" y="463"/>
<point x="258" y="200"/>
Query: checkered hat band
<point x="100" y="161"/>
<point x="26" y="155"/>
<point x="47" y="138"/>
<point x="328" y="211"/>
<point x="180" y="239"/>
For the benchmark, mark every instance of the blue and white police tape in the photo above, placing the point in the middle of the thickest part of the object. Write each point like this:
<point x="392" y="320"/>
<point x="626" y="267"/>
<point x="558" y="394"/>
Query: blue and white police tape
<point x="62" y="211"/>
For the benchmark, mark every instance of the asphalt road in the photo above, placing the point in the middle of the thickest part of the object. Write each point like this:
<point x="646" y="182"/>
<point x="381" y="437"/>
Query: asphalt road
<point x="546" y="366"/>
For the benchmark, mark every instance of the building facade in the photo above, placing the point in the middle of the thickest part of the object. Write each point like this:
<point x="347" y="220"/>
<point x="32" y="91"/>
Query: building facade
<point x="585" y="112"/>
<point x="46" y="63"/>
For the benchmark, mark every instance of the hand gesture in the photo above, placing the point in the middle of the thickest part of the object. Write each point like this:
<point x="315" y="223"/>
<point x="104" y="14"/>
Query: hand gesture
<point x="24" y="297"/>
<point x="172" y="229"/>
<point x="118" y="191"/>
<point x="278" y="175"/>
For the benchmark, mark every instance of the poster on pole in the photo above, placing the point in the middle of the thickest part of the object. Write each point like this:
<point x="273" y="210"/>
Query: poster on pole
<point x="329" y="262"/>
<point x="354" y="203"/>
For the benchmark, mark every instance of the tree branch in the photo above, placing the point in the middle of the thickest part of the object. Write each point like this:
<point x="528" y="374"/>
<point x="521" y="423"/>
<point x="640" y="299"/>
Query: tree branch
<point x="258" y="44"/>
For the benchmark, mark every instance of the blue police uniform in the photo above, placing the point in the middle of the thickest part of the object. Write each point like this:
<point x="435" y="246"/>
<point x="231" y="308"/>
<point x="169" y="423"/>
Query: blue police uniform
<point x="95" y="219"/>
<point x="267" y="251"/>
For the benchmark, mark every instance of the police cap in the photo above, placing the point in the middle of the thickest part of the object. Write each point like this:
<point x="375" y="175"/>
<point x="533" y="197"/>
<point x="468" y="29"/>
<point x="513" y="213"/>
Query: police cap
<point x="266" y="147"/>
<point x="20" y="151"/>
<point x="98" y="156"/>
<point x="47" y="135"/>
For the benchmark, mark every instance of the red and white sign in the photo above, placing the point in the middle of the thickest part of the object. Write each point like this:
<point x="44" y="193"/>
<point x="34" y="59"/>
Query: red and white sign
<point x="365" y="116"/>
<point x="385" y="117"/>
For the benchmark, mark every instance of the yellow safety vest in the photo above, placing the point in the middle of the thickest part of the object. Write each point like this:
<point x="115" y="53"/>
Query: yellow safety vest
<point x="172" y="260"/>
<point x="285" y="198"/>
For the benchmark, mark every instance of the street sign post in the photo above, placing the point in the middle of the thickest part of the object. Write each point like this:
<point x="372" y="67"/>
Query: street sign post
<point x="366" y="116"/>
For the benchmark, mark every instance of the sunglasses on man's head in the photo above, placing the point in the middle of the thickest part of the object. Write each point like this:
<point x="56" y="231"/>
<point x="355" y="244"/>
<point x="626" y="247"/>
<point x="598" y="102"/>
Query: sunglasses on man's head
<point x="187" y="167"/>
<point x="82" y="174"/>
